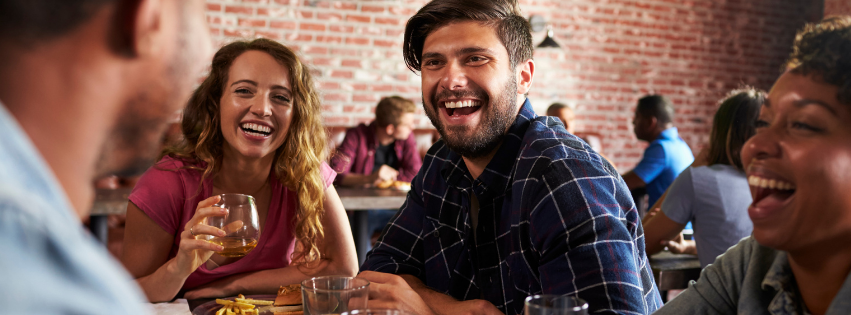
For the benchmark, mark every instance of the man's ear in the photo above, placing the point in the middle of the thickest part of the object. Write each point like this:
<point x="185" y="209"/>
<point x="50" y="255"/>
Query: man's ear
<point x="390" y="129"/>
<point x="525" y="72"/>
<point x="653" y="123"/>
<point x="137" y="27"/>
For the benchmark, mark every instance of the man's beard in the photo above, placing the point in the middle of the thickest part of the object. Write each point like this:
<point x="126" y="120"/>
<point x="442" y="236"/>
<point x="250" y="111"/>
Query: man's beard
<point x="136" y="138"/>
<point x="499" y="115"/>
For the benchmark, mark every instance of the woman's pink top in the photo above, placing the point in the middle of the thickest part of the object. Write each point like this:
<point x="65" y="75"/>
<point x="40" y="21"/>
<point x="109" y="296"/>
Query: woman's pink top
<point x="170" y="198"/>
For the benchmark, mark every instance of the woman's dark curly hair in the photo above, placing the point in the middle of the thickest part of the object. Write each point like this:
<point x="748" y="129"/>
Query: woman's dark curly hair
<point x="824" y="49"/>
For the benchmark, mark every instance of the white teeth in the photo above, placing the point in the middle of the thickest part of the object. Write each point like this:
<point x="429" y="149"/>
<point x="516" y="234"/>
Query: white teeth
<point x="256" y="127"/>
<point x="460" y="104"/>
<point x="769" y="183"/>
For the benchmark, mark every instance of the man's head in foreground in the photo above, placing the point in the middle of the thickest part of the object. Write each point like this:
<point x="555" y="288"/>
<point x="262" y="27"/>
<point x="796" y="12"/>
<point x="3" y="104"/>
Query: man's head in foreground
<point x="564" y="113"/>
<point x="395" y="116"/>
<point x="93" y="82"/>
<point x="475" y="58"/>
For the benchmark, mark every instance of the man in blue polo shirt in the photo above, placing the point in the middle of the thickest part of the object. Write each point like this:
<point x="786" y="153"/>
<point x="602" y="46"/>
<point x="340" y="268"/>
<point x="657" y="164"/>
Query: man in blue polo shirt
<point x="666" y="156"/>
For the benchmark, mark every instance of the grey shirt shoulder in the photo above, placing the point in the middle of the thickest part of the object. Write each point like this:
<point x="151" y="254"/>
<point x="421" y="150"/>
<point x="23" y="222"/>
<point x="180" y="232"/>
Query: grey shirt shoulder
<point x="744" y="280"/>
<point x="715" y="199"/>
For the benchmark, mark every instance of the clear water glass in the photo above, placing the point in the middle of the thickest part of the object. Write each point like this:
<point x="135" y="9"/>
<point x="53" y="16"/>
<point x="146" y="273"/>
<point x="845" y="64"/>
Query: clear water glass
<point x="549" y="304"/>
<point x="334" y="294"/>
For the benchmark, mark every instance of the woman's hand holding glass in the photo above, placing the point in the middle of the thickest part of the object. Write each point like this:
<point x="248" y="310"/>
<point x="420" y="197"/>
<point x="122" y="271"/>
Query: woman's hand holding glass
<point x="194" y="248"/>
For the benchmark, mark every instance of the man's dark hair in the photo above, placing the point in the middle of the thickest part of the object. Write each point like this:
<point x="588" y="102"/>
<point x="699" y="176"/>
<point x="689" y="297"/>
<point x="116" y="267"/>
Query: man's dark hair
<point x="656" y="106"/>
<point x="27" y="22"/>
<point x="824" y="49"/>
<point x="504" y="15"/>
<point x="22" y="20"/>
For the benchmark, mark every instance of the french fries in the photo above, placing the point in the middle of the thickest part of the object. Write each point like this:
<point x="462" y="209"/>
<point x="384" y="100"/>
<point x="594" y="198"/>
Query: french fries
<point x="240" y="306"/>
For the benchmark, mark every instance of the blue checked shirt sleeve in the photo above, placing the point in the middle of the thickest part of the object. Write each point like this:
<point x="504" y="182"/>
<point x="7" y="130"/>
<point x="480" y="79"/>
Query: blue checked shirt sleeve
<point x="399" y="250"/>
<point x="585" y="229"/>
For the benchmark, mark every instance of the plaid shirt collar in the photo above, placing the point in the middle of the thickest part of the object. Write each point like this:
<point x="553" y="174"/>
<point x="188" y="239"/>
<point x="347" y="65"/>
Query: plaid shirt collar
<point x="496" y="177"/>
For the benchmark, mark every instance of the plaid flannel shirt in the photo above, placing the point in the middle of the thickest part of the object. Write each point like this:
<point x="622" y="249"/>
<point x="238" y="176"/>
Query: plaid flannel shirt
<point x="554" y="218"/>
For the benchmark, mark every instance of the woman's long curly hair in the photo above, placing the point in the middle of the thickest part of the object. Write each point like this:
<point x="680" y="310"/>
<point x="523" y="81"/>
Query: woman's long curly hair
<point x="296" y="162"/>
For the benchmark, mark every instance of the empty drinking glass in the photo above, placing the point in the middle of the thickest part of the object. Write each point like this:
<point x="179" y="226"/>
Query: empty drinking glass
<point x="548" y="304"/>
<point x="334" y="294"/>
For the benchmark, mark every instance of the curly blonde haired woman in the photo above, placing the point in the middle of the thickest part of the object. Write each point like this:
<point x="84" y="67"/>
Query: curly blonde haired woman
<point x="253" y="127"/>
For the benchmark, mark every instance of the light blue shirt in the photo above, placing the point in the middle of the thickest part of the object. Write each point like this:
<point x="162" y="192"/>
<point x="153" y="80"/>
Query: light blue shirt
<point x="663" y="160"/>
<point x="48" y="263"/>
<point x="716" y="199"/>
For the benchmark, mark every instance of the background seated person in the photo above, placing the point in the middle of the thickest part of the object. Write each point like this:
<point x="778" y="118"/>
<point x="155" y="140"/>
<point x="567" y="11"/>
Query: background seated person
<point x="568" y="118"/>
<point x="499" y="210"/>
<point x="565" y="114"/>
<point x="715" y="197"/>
<point x="798" y="260"/>
<point x="252" y="127"/>
<point x="666" y="156"/>
<point x="383" y="151"/>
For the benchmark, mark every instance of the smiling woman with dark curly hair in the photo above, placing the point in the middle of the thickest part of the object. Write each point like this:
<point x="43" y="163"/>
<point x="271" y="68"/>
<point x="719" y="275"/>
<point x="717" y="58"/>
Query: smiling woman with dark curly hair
<point x="798" y="165"/>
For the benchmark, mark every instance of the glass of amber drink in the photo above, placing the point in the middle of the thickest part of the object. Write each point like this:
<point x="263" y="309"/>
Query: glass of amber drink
<point x="241" y="224"/>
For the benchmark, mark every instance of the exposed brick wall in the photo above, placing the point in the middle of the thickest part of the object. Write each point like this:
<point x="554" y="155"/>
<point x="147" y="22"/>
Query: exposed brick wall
<point x="613" y="52"/>
<point x="837" y="7"/>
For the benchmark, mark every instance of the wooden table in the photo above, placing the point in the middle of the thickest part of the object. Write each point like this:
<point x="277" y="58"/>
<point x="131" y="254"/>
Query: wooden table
<point x="114" y="201"/>
<point x="674" y="271"/>
<point x="359" y="199"/>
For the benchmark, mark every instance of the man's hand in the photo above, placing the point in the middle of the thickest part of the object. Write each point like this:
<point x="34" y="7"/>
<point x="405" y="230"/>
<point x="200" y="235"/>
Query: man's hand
<point x="679" y="245"/>
<point x="384" y="173"/>
<point x="392" y="292"/>
<point x="471" y="307"/>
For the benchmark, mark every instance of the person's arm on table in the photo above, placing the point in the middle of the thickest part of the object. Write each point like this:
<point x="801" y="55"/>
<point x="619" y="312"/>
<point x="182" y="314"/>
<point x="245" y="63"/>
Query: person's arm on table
<point x="587" y="232"/>
<point x="409" y="293"/>
<point x="396" y="264"/>
<point x="682" y="246"/>
<point x="442" y="304"/>
<point x="337" y="258"/>
<point x="383" y="174"/>
<point x="677" y="210"/>
<point x="343" y="160"/>
<point x="658" y="231"/>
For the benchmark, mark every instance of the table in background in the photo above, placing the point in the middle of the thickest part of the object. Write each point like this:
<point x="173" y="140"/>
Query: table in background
<point x="359" y="199"/>
<point x="674" y="271"/>
<point x="107" y="201"/>
<point x="114" y="201"/>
